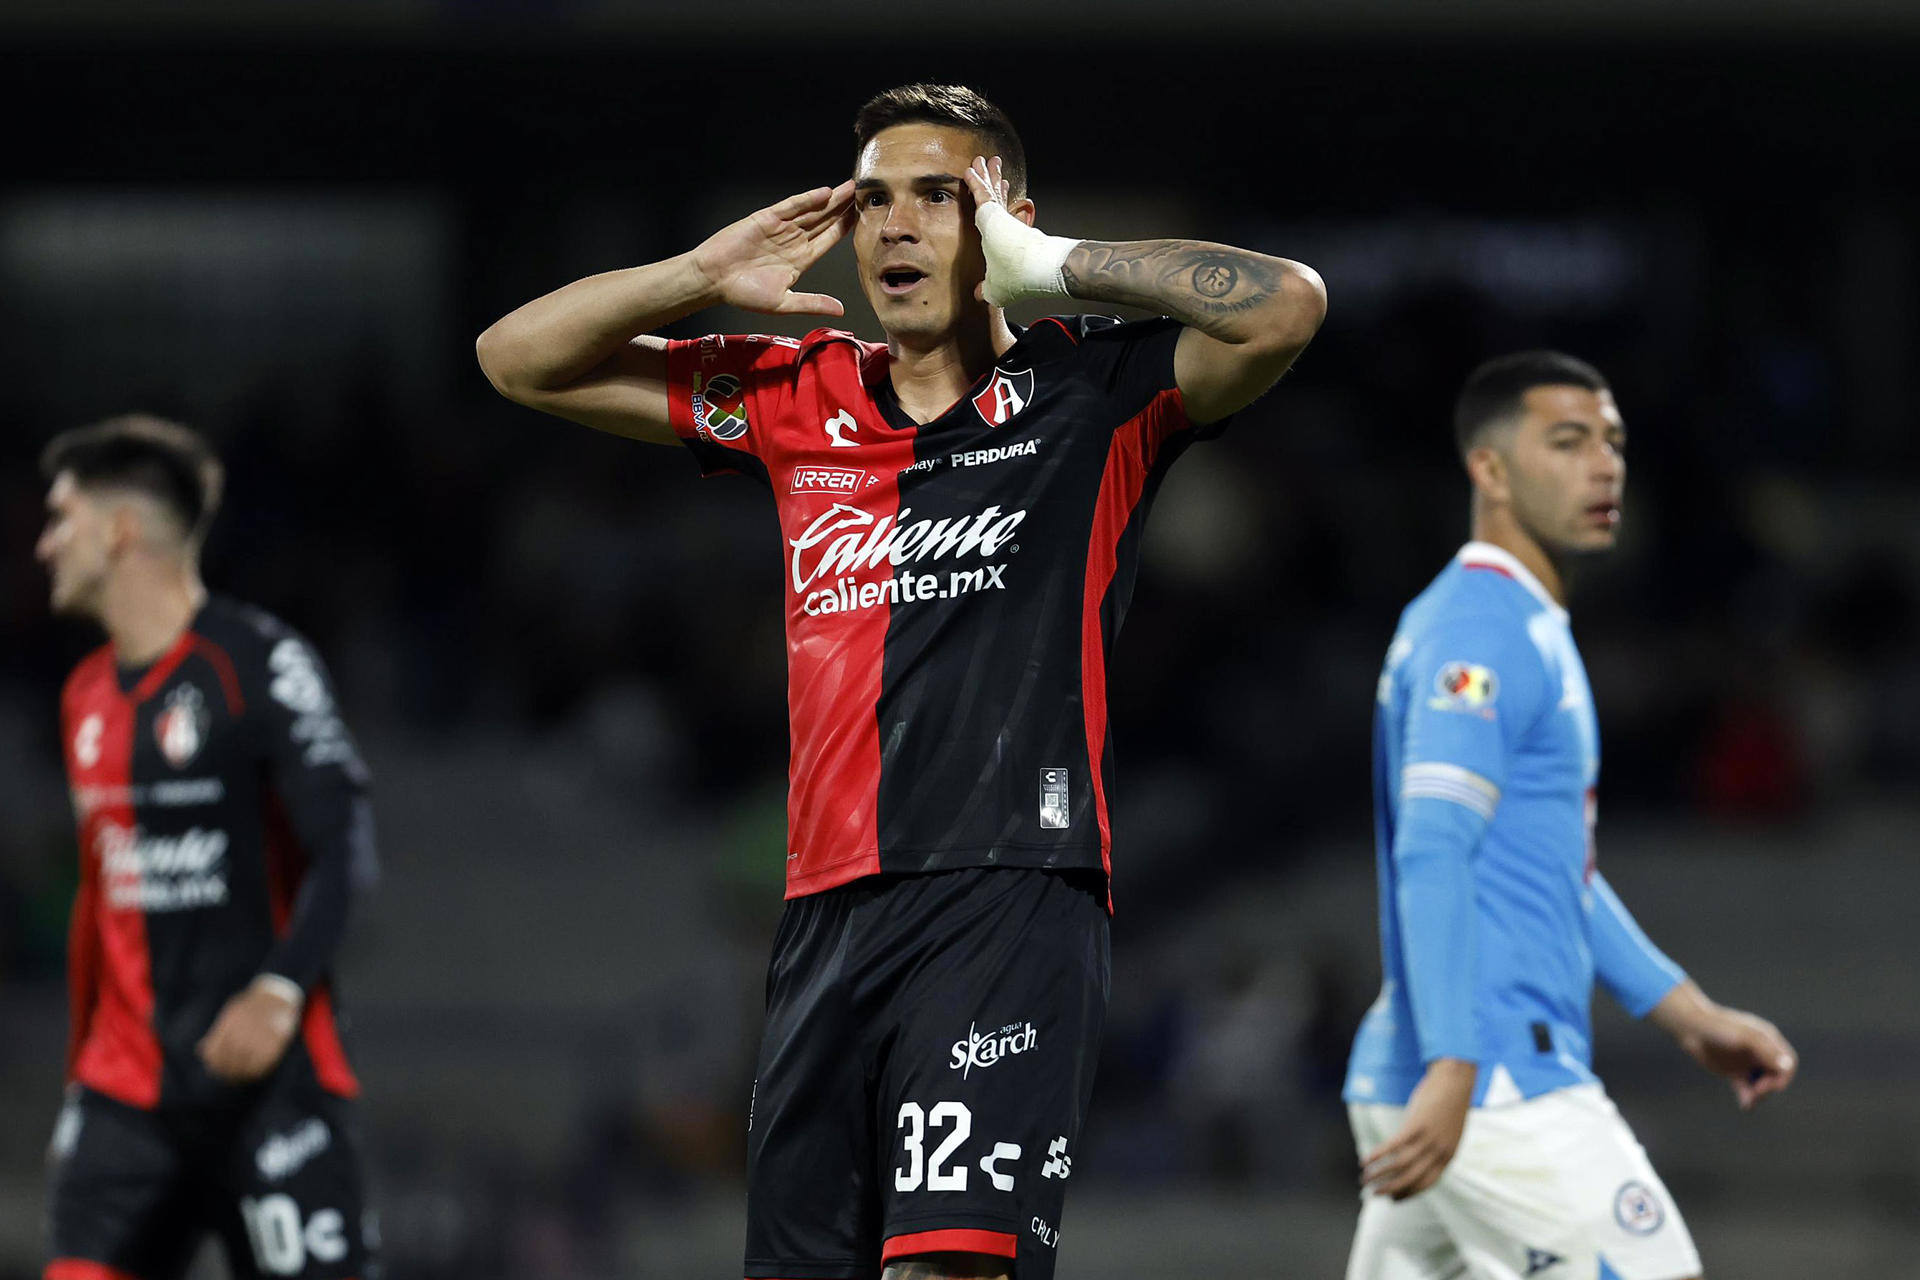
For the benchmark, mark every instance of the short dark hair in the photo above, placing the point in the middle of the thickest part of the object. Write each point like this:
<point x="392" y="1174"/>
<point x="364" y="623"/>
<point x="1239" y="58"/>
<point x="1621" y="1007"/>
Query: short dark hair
<point x="165" y="461"/>
<point x="954" y="105"/>
<point x="1494" y="390"/>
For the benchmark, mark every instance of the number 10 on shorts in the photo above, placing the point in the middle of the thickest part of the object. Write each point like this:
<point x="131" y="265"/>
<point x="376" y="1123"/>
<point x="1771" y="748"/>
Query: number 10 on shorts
<point x="282" y="1244"/>
<point x="938" y="1172"/>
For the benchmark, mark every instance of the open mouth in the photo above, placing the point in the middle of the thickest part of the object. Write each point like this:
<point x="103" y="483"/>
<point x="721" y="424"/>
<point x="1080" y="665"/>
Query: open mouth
<point x="1604" y="514"/>
<point x="895" y="281"/>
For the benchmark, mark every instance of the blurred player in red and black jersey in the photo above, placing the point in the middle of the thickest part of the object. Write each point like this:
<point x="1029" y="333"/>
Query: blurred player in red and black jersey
<point x="962" y="508"/>
<point x="224" y="829"/>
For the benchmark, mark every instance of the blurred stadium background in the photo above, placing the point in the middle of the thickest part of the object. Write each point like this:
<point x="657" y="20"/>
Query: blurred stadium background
<point x="562" y="652"/>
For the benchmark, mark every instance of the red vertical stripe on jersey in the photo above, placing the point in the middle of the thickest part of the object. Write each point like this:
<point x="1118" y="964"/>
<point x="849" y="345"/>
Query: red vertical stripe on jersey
<point x="83" y="1269"/>
<point x="319" y="1030"/>
<point x="1129" y="462"/>
<point x="121" y="1054"/>
<point x="158" y="673"/>
<point x="836" y="658"/>
<point x="223" y="667"/>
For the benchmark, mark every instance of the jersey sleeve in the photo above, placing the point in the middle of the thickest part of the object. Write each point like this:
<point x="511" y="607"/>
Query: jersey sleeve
<point x="1135" y="361"/>
<point x="1633" y="970"/>
<point x="321" y="782"/>
<point x="726" y="397"/>
<point x="1474" y="686"/>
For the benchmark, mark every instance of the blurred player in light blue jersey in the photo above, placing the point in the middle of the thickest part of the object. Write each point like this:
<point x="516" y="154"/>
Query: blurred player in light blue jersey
<point x="1488" y="1147"/>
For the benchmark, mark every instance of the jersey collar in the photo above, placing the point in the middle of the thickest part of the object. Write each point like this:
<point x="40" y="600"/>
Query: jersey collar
<point x="1484" y="555"/>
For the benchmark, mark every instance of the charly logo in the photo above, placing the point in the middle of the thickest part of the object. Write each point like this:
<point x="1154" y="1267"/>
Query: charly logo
<point x="181" y="727"/>
<point x="1004" y="396"/>
<point x="86" y="741"/>
<point x="844" y="540"/>
<point x="984" y="1050"/>
<point x="837" y="426"/>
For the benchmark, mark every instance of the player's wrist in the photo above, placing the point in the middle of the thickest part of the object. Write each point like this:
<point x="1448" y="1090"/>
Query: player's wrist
<point x="1022" y="261"/>
<point x="282" y="987"/>
<point x="1685" y="1012"/>
<point x="702" y="279"/>
<point x="1453" y="1071"/>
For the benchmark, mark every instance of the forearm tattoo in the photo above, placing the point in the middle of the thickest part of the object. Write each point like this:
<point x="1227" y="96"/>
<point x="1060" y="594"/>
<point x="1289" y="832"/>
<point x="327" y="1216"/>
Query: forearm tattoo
<point x="1210" y="287"/>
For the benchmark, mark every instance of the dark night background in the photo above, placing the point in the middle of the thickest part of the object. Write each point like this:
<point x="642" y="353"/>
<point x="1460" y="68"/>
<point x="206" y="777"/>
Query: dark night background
<point x="563" y="655"/>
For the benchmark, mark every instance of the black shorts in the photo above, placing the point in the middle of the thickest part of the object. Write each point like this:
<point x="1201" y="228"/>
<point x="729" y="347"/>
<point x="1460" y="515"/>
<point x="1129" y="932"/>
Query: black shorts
<point x="928" y="1058"/>
<point x="277" y="1178"/>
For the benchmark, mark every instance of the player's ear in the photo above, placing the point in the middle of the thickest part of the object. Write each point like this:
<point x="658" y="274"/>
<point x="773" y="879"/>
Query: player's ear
<point x="123" y="528"/>
<point x="1487" y="468"/>
<point x="1022" y="209"/>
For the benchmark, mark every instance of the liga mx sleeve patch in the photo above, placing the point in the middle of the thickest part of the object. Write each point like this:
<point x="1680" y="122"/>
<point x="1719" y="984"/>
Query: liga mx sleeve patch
<point x="1465" y="686"/>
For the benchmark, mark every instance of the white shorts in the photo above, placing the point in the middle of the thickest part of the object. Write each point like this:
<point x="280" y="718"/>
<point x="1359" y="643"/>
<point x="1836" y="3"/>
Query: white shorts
<point x="1553" y="1188"/>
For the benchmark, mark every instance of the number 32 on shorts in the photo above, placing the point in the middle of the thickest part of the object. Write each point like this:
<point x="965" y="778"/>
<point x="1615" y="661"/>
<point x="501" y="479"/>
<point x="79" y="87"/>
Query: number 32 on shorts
<point x="950" y="1124"/>
<point x="914" y="1126"/>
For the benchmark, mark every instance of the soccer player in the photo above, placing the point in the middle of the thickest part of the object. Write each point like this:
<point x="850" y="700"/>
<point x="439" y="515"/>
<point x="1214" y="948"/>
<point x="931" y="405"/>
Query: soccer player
<point x="223" y="829"/>
<point x="1489" y="1146"/>
<point x="961" y="507"/>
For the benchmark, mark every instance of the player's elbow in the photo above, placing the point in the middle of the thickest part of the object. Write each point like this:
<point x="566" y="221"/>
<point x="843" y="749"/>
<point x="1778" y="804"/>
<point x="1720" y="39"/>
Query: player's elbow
<point x="1299" y="310"/>
<point x="490" y="349"/>
<point x="499" y="355"/>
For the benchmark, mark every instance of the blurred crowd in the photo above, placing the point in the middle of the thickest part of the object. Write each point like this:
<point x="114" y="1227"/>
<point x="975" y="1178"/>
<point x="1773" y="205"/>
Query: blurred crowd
<point x="475" y="573"/>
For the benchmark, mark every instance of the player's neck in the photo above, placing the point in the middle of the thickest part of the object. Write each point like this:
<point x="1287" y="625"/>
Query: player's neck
<point x="1499" y="529"/>
<point x="929" y="378"/>
<point x="144" y="612"/>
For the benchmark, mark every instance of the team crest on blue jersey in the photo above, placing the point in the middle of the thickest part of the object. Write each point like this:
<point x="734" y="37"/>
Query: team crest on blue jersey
<point x="1638" y="1210"/>
<point x="719" y="407"/>
<point x="1004" y="395"/>
<point x="1466" y="686"/>
<point x="181" y="726"/>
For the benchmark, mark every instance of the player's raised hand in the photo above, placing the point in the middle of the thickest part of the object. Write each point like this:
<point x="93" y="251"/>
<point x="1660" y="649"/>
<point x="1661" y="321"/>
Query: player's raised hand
<point x="1022" y="260"/>
<point x="755" y="262"/>
<point x="1414" y="1158"/>
<point x="251" y="1034"/>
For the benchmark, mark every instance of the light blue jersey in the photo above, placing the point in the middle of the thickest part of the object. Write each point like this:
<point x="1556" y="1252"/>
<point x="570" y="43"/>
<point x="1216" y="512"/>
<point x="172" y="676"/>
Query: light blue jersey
<point x="1494" y="922"/>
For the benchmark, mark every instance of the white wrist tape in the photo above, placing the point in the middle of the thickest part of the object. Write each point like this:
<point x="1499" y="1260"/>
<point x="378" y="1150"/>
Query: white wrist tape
<point x="1022" y="261"/>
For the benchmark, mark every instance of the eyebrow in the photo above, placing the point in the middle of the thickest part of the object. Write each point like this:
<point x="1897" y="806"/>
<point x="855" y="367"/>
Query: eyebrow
<point x="924" y="180"/>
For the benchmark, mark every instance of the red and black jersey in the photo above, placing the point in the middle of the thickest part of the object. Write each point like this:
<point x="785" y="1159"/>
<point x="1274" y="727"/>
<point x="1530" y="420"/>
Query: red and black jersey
<point x="953" y="589"/>
<point x="223" y="828"/>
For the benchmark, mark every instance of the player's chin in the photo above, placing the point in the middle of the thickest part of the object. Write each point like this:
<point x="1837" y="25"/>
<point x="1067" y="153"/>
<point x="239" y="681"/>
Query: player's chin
<point x="63" y="601"/>
<point x="1590" y="541"/>
<point x="912" y="317"/>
